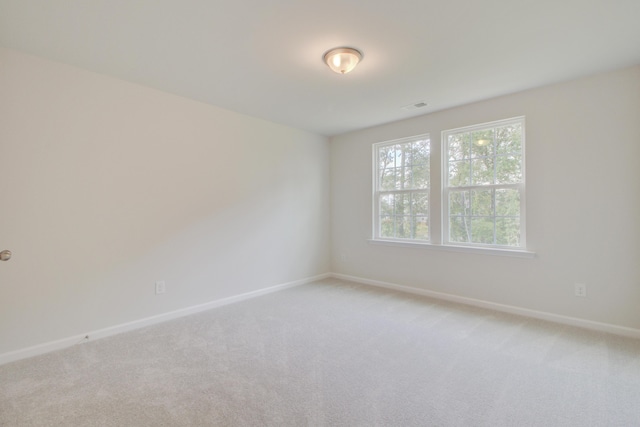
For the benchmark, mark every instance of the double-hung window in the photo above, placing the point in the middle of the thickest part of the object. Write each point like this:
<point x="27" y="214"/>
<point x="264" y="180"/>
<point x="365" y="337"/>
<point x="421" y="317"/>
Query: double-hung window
<point x="482" y="189"/>
<point x="483" y="185"/>
<point x="401" y="189"/>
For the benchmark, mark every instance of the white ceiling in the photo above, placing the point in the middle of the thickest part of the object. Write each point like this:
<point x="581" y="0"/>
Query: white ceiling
<point x="264" y="57"/>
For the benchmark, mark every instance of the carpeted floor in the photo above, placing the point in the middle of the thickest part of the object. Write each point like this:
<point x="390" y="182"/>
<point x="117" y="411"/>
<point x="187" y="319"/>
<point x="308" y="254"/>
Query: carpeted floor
<point x="333" y="353"/>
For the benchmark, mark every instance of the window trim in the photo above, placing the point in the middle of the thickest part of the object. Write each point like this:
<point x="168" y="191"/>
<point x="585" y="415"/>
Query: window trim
<point x="433" y="244"/>
<point x="445" y="189"/>
<point x="375" y="231"/>
<point x="494" y="251"/>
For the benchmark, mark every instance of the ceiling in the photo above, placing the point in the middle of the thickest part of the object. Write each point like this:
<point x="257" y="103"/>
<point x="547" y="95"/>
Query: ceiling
<point x="264" y="58"/>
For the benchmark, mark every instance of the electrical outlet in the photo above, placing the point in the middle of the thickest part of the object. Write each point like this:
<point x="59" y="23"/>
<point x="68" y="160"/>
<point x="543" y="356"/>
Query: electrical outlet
<point x="580" y="289"/>
<point x="160" y="287"/>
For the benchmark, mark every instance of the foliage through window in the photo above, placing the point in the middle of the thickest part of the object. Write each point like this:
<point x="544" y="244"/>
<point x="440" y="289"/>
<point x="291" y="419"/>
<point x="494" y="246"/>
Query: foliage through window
<point x="483" y="190"/>
<point x="401" y="189"/>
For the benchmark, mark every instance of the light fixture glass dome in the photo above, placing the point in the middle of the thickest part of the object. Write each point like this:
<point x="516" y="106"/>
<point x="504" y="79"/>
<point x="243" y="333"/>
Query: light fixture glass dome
<point x="342" y="59"/>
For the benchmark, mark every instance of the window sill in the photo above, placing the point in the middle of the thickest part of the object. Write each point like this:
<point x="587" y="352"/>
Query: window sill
<point x="517" y="253"/>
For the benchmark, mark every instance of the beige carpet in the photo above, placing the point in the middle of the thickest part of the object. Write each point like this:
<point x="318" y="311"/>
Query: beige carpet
<point x="333" y="353"/>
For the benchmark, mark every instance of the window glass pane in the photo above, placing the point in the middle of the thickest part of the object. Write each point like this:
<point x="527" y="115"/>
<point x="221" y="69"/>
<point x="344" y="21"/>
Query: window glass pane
<point x="386" y="158"/>
<point x="459" y="173"/>
<point x="409" y="155"/>
<point x="482" y="203"/>
<point x="459" y="229"/>
<point x="482" y="171"/>
<point x="403" y="227"/>
<point x="507" y="202"/>
<point x="458" y="146"/>
<point x="396" y="179"/>
<point x="420" y="152"/>
<point x="402" y="204"/>
<point x="459" y="203"/>
<point x="402" y="155"/>
<point x="508" y="231"/>
<point x="509" y="139"/>
<point x="404" y="178"/>
<point x="420" y="204"/>
<point x="482" y="143"/>
<point x="482" y="230"/>
<point x="386" y="204"/>
<point x="420" y="176"/>
<point x="421" y="228"/>
<point x="396" y="183"/>
<point x="391" y="149"/>
<point x="509" y="170"/>
<point x="388" y="179"/>
<point x="386" y="226"/>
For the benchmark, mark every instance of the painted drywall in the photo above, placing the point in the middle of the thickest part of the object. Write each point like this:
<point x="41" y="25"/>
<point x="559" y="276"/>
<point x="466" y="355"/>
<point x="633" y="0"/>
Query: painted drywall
<point x="107" y="187"/>
<point x="582" y="204"/>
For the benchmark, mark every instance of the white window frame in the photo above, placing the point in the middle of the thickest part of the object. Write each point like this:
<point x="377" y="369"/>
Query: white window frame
<point x="377" y="191"/>
<point x="446" y="188"/>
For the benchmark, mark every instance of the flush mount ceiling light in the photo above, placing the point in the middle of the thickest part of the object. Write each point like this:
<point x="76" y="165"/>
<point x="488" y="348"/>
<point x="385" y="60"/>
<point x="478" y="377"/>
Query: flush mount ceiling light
<point x="342" y="59"/>
<point x="482" y="142"/>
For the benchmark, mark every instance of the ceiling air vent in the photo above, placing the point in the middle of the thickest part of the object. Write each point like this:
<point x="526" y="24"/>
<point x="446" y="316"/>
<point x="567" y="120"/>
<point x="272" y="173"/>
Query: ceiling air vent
<point x="416" y="106"/>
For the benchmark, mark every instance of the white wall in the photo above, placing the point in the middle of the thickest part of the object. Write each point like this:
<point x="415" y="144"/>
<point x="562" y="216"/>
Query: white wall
<point x="583" y="204"/>
<point x="106" y="187"/>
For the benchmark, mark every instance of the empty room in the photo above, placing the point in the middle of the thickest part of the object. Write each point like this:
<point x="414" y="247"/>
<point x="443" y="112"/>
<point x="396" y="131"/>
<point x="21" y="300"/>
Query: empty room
<point x="337" y="213"/>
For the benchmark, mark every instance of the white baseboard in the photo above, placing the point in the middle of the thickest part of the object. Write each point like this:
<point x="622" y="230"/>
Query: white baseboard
<point x="136" y="324"/>
<point x="117" y="329"/>
<point x="557" y="318"/>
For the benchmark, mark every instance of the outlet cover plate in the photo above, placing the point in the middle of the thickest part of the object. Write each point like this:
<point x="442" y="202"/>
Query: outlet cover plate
<point x="580" y="290"/>
<point x="160" y="287"/>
